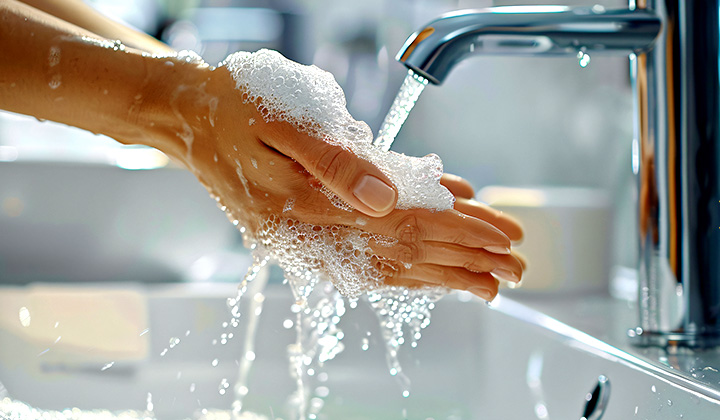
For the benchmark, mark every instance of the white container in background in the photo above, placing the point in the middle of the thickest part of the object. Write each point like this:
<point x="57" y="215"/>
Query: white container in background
<point x="567" y="232"/>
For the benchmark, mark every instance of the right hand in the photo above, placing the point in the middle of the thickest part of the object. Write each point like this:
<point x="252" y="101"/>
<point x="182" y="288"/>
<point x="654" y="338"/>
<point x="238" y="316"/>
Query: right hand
<point x="256" y="168"/>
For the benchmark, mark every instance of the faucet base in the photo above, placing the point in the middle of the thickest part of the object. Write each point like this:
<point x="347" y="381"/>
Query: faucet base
<point x="641" y="338"/>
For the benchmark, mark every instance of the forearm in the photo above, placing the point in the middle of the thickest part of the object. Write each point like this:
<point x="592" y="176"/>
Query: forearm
<point x="56" y="71"/>
<point x="82" y="15"/>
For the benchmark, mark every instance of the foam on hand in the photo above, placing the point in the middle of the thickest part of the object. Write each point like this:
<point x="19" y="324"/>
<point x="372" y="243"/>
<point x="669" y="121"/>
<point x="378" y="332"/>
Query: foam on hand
<point x="311" y="100"/>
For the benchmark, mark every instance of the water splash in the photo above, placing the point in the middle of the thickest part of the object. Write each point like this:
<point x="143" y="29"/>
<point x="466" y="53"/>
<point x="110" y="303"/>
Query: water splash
<point x="407" y="96"/>
<point x="318" y="340"/>
<point x="403" y="313"/>
<point x="252" y="286"/>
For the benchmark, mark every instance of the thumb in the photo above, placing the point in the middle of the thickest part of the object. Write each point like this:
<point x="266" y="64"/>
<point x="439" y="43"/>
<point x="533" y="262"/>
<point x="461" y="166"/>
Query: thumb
<point x="357" y="181"/>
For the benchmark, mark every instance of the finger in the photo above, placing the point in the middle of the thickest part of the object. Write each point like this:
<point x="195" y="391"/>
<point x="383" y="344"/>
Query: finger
<point x="506" y="223"/>
<point x="458" y="186"/>
<point x="522" y="258"/>
<point x="413" y="226"/>
<point x="357" y="181"/>
<point x="483" y="285"/>
<point x="505" y="267"/>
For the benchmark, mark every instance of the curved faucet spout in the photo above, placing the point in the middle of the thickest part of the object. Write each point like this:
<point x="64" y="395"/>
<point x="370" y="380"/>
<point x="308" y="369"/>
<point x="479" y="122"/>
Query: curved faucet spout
<point x="529" y="30"/>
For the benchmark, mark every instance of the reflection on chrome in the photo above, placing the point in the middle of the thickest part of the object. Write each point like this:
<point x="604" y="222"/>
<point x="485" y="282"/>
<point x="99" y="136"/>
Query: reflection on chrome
<point x="673" y="45"/>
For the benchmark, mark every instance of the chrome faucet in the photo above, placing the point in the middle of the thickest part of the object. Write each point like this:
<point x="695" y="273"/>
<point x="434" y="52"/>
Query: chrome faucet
<point x="673" y="49"/>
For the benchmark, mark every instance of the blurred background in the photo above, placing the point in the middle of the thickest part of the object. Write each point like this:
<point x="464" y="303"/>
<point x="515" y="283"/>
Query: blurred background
<point x="118" y="252"/>
<point x="78" y="207"/>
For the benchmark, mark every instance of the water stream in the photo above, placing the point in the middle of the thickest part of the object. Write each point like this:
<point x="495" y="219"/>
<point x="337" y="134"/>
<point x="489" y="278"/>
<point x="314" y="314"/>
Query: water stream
<point x="407" y="96"/>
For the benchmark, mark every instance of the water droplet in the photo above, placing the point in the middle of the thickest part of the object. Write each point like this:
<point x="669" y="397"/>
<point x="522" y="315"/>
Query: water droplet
<point x="107" y="366"/>
<point x="118" y="45"/>
<point x="215" y="362"/>
<point x="164" y="352"/>
<point x="224" y="385"/>
<point x="406" y="393"/>
<point x="174" y="341"/>
<point x="583" y="58"/>
<point x="322" y="391"/>
<point x="192" y="387"/>
<point x="55" y="81"/>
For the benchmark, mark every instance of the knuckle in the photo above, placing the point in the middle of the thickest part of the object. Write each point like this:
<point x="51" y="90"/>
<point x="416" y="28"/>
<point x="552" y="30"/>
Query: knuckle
<point x="413" y="252"/>
<point x="329" y="163"/>
<point x="409" y="230"/>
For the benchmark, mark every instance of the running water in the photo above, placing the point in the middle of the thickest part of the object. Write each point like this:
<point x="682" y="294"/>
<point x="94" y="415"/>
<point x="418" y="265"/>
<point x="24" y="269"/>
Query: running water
<point x="407" y="96"/>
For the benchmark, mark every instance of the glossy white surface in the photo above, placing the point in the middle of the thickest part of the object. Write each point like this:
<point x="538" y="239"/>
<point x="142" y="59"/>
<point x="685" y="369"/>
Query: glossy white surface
<point x="510" y="362"/>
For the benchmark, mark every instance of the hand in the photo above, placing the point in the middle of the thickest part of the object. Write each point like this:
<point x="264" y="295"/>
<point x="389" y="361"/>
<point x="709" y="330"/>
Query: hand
<point x="479" y="262"/>
<point x="260" y="169"/>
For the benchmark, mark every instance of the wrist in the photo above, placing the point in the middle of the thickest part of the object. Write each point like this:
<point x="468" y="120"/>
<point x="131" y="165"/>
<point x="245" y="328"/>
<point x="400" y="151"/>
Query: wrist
<point x="176" y="106"/>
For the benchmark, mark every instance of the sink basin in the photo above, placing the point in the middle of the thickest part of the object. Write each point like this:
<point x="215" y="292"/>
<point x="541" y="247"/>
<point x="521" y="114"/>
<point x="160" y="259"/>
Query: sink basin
<point x="92" y="222"/>
<point x="105" y="304"/>
<point x="123" y="346"/>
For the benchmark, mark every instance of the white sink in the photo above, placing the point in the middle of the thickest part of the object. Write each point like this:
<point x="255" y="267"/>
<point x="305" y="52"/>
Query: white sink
<point x="510" y="362"/>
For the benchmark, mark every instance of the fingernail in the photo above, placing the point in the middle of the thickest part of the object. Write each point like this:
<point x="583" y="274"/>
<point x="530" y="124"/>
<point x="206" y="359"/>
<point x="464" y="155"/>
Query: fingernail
<point x="505" y="275"/>
<point x="374" y="193"/>
<point x="482" y="293"/>
<point x="497" y="249"/>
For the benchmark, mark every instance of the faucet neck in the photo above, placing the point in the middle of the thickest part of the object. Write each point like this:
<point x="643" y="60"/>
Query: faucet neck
<point x="539" y="30"/>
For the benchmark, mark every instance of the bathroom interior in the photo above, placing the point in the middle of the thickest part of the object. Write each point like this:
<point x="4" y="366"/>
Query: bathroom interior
<point x="116" y="267"/>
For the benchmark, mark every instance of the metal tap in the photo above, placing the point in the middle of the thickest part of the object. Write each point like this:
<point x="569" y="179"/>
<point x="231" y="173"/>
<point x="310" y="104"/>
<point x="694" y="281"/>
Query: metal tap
<point x="673" y="49"/>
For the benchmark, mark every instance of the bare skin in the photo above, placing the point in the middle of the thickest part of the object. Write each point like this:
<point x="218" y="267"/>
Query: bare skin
<point x="194" y="114"/>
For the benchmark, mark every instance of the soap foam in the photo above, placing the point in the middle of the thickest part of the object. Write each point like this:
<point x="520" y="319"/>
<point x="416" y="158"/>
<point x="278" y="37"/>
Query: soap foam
<point x="311" y="100"/>
<point x="308" y="251"/>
